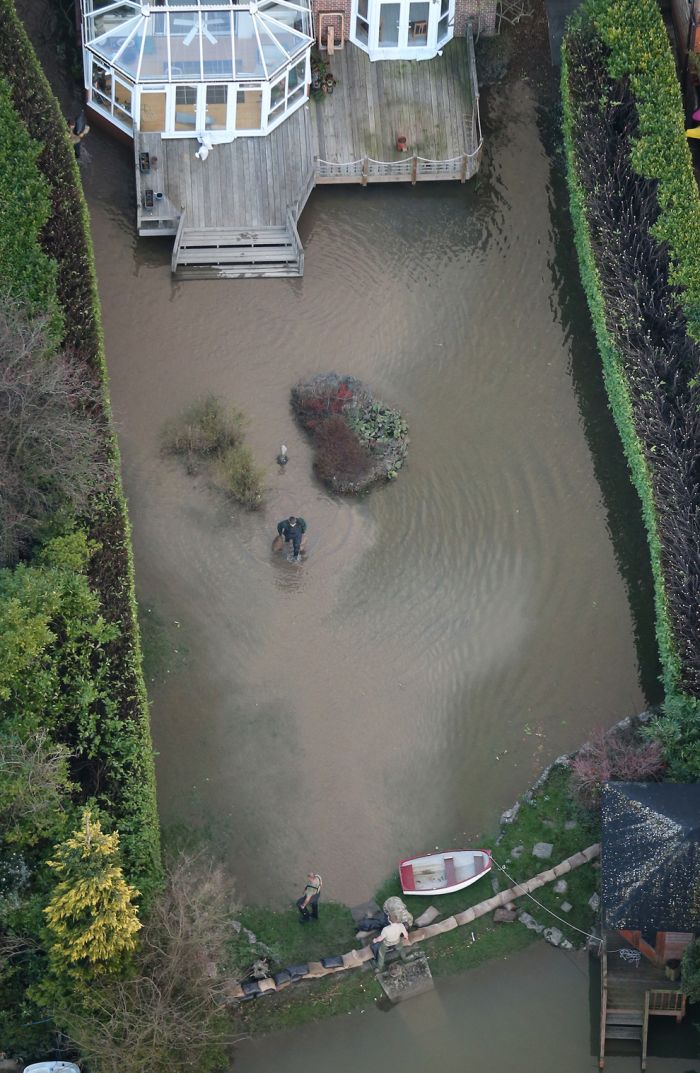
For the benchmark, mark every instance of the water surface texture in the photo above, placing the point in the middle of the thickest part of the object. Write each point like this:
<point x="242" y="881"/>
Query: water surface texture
<point x="523" y="1014"/>
<point x="449" y="634"/>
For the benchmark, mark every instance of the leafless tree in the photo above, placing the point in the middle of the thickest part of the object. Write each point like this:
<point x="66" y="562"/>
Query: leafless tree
<point x="169" y="1012"/>
<point x="51" y="453"/>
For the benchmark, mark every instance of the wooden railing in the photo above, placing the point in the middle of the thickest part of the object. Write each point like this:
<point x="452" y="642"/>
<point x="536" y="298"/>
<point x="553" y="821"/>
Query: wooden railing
<point x="670" y="1003"/>
<point x="178" y="240"/>
<point x="296" y="241"/>
<point x="603" y="1005"/>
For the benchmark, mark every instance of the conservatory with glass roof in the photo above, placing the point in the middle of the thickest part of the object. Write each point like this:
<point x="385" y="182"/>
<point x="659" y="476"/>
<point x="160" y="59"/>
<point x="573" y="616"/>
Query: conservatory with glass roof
<point x="182" y="69"/>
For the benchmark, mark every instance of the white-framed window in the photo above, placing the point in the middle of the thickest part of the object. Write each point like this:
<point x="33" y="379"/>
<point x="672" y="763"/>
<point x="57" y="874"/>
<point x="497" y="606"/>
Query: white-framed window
<point x="401" y="29"/>
<point x="112" y="94"/>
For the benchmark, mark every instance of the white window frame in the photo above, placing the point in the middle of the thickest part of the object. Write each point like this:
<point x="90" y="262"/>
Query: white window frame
<point x="402" y="51"/>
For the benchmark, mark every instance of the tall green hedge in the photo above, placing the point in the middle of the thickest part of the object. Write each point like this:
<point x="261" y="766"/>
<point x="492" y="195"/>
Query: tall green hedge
<point x="660" y="305"/>
<point x="635" y="34"/>
<point x="26" y="273"/>
<point x="127" y="782"/>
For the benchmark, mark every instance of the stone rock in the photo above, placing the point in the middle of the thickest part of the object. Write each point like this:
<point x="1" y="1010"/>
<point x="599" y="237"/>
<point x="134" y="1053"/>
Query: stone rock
<point x="542" y="850"/>
<point x="495" y="883"/>
<point x="427" y="917"/>
<point x="594" y="902"/>
<point x="406" y="979"/>
<point x="504" y="916"/>
<point x="250" y="936"/>
<point x="553" y="936"/>
<point x="560" y="887"/>
<point x="530" y="923"/>
<point x="516" y="852"/>
<point x="236" y="925"/>
<point x="510" y="813"/>
<point x="566" y="907"/>
<point x="548" y="823"/>
<point x="367" y="909"/>
<point x="569" y="825"/>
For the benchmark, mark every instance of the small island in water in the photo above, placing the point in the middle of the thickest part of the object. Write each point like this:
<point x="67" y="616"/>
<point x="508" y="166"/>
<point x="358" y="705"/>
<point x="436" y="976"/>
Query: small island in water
<point x="358" y="439"/>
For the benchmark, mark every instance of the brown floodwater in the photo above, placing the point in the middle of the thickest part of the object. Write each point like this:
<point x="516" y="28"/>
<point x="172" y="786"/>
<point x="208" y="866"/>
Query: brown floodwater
<point x="449" y="634"/>
<point x="523" y="1014"/>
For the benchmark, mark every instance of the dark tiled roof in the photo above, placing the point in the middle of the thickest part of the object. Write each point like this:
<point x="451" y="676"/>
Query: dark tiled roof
<point x="651" y="856"/>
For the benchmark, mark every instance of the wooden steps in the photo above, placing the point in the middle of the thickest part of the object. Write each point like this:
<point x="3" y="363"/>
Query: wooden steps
<point x="237" y="252"/>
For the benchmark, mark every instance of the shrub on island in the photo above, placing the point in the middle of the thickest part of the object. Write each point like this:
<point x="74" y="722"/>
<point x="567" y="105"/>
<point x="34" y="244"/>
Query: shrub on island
<point x="358" y="440"/>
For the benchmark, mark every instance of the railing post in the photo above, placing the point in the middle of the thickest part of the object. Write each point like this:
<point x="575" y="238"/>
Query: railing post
<point x="365" y="170"/>
<point x="465" y="165"/>
<point x="414" y="170"/>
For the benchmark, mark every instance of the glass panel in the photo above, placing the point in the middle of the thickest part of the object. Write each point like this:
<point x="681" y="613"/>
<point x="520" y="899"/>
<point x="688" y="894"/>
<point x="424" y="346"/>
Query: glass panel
<point x="123" y="116"/>
<point x="444" y="7"/>
<point x="443" y="28"/>
<point x="418" y="15"/>
<point x="277" y="95"/>
<point x="361" y="30"/>
<point x="108" y="45"/>
<point x="217" y="54"/>
<point x="217" y="97"/>
<point x="273" y="56"/>
<point x="184" y="45"/>
<point x="185" y="107"/>
<point x="109" y="20"/>
<point x="122" y="96"/>
<point x="248" y="59"/>
<point x="101" y="85"/>
<point x="154" y="58"/>
<point x="297" y="75"/>
<point x="362" y="9"/>
<point x="248" y="109"/>
<point x="288" y="41"/>
<point x="152" y="107"/>
<point x="389" y="18"/>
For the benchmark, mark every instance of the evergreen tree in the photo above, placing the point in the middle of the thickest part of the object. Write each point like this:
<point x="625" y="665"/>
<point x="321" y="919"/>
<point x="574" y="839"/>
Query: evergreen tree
<point x="91" y="917"/>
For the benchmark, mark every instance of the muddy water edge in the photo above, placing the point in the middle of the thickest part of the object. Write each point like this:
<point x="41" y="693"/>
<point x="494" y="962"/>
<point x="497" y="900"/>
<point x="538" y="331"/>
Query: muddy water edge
<point x="450" y="633"/>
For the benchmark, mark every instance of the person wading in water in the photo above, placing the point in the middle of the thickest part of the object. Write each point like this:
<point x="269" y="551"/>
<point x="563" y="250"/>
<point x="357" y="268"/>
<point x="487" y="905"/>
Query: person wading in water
<point x="308" y="903"/>
<point x="292" y="530"/>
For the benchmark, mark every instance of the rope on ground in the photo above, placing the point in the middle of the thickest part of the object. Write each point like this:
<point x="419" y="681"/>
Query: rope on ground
<point x="551" y="912"/>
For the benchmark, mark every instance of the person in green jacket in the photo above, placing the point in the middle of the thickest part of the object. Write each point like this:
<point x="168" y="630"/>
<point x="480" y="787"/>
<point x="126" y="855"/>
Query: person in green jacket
<point x="292" y="530"/>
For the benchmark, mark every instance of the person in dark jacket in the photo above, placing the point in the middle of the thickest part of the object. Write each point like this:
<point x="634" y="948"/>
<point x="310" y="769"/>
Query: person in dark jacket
<point x="292" y="530"/>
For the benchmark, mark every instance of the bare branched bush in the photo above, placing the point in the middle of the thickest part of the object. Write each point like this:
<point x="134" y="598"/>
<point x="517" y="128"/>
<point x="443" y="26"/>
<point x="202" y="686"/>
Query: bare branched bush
<point x="204" y="428"/>
<point x="169" y="1012"/>
<point x="51" y="457"/>
<point x="33" y="783"/>
<point x="613" y="756"/>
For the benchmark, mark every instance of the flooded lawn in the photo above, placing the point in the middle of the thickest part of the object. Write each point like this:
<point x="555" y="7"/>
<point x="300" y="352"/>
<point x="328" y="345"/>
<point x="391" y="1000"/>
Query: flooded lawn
<point x="449" y="634"/>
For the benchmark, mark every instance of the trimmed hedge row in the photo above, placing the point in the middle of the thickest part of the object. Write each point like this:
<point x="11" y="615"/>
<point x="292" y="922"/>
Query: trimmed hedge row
<point x="630" y="187"/>
<point x="126" y="783"/>
<point x="26" y="272"/>
<point x="639" y="51"/>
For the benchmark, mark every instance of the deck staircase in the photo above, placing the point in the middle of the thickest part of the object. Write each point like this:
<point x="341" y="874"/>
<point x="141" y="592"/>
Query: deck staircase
<point x="632" y="990"/>
<point x="237" y="252"/>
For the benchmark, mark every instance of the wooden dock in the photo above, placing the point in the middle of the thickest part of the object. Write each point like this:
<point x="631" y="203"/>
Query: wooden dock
<point x="235" y="214"/>
<point x="633" y="989"/>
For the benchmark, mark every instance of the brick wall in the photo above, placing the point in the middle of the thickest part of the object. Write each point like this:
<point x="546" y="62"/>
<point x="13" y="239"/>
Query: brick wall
<point x="482" y="14"/>
<point x="333" y="6"/>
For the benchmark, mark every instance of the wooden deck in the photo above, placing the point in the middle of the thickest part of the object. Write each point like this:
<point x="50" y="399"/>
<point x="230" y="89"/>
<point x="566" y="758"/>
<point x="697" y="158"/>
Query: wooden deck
<point x="235" y="213"/>
<point x="249" y="182"/>
<point x="432" y="103"/>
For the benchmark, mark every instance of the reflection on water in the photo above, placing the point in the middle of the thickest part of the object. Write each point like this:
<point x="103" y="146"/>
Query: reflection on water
<point x="448" y="634"/>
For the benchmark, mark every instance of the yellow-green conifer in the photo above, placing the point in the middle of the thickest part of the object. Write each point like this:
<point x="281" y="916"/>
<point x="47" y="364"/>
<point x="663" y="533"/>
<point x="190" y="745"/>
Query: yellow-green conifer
<point x="92" y="917"/>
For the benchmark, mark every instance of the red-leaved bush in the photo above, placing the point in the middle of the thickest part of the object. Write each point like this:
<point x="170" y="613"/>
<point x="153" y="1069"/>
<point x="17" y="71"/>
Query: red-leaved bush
<point x="610" y="756"/>
<point x="339" y="454"/>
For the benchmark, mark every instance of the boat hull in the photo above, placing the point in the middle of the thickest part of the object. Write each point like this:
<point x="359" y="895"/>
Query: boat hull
<point x="443" y="873"/>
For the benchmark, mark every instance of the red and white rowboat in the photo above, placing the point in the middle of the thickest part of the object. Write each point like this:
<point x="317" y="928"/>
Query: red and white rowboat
<point x="443" y="873"/>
